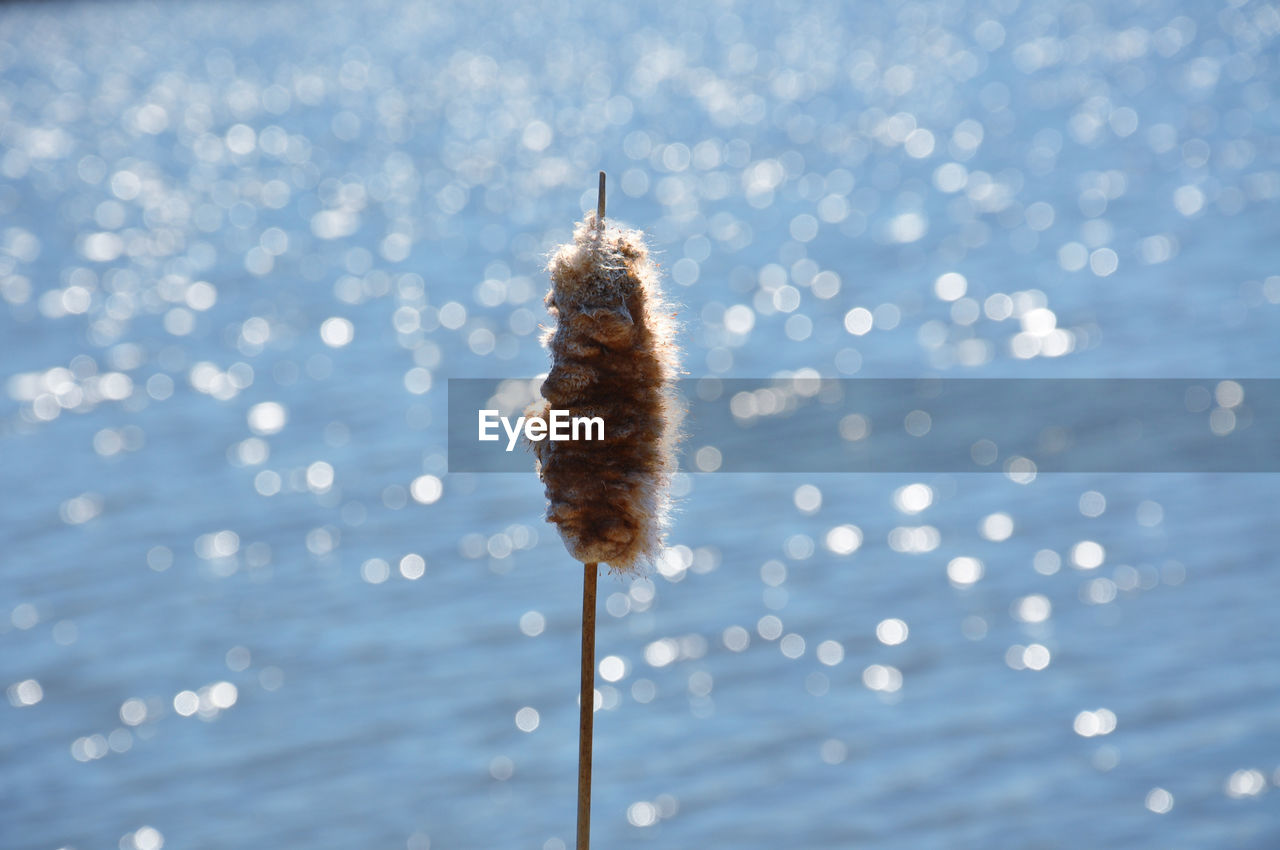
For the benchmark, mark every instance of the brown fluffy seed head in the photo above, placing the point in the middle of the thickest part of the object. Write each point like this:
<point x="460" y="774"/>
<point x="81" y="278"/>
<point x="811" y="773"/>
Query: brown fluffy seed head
<point x="613" y="355"/>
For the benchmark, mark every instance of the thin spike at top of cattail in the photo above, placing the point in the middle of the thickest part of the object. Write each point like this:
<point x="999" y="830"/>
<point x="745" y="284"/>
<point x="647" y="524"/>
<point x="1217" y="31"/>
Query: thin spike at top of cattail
<point x="600" y="204"/>
<point x="613" y="355"/>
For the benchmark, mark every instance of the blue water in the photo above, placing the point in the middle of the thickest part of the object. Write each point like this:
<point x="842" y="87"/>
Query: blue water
<point x="224" y="624"/>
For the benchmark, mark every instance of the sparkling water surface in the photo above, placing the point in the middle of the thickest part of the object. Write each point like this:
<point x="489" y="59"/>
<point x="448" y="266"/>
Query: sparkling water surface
<point x="243" y="246"/>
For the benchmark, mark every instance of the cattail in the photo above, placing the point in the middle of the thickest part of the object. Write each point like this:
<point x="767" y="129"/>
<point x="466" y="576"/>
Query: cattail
<point x="613" y="356"/>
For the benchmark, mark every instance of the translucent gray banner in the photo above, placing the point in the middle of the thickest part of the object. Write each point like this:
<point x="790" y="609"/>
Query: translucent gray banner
<point x="1012" y="426"/>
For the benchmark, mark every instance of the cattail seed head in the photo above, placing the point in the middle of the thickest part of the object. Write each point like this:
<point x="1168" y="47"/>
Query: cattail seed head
<point x="613" y="355"/>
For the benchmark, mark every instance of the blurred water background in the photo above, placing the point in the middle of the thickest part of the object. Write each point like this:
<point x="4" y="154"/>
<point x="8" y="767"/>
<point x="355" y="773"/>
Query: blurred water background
<point x="244" y="245"/>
